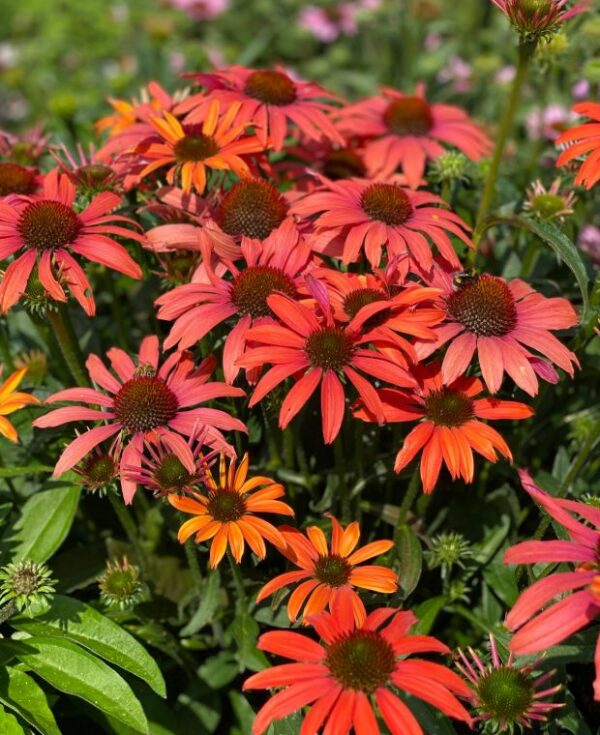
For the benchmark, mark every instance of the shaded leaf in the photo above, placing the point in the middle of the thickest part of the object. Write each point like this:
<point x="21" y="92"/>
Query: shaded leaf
<point x="410" y="557"/>
<point x="22" y="694"/>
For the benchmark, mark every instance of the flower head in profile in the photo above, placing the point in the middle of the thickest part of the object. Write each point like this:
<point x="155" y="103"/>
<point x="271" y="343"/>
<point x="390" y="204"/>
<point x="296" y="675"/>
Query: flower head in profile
<point x="229" y="512"/>
<point x="350" y="678"/>
<point x="46" y="230"/>
<point x="27" y="147"/>
<point x="11" y="401"/>
<point x="406" y="131"/>
<point x="583" y="140"/>
<point x="535" y="19"/>
<point x="326" y="569"/>
<point x="450" y="426"/>
<point x="539" y="621"/>
<point x="143" y="401"/>
<point x="547" y="204"/>
<point x="508" y="694"/>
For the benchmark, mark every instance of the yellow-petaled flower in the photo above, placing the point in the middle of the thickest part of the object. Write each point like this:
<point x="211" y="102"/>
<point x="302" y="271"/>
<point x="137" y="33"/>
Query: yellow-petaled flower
<point x="226" y="512"/>
<point x="11" y="401"/>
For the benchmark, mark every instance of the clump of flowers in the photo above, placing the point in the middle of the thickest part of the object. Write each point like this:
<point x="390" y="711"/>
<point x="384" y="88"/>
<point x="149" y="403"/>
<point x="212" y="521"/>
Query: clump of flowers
<point x="25" y="585"/>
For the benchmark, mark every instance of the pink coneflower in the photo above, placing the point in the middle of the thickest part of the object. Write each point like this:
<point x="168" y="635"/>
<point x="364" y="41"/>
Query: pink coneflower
<point x="407" y="131"/>
<point x="50" y="231"/>
<point x="538" y="631"/>
<point x="501" y="321"/>
<point x="199" y="307"/>
<point x="270" y="99"/>
<point x="358" y="214"/>
<point x="538" y="18"/>
<point x="142" y="402"/>
<point x="508" y="693"/>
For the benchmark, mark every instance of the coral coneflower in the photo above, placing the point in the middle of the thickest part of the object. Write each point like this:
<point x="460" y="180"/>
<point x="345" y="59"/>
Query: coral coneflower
<point x="583" y="140"/>
<point x="352" y="676"/>
<point x="450" y="428"/>
<point x="535" y="19"/>
<point x="50" y="231"/>
<point x="357" y="214"/>
<point x="508" y="325"/>
<point x="508" y="693"/>
<point x="18" y="179"/>
<point x="269" y="98"/>
<point x="143" y="401"/>
<point x="228" y="512"/>
<point x="539" y="627"/>
<point x="11" y="401"/>
<point x="325" y="569"/>
<point x="406" y="131"/>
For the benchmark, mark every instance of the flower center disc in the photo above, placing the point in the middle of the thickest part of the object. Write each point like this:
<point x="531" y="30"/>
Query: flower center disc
<point x="195" y="145"/>
<point x="171" y="474"/>
<point x="332" y="570"/>
<point x="253" y="208"/>
<point x="343" y="164"/>
<point x="408" y="116"/>
<point x="329" y="348"/>
<point x="447" y="407"/>
<point x="271" y="87"/>
<point x="386" y="203"/>
<point x="254" y="285"/>
<point x="144" y="403"/>
<point x="361" y="660"/>
<point x="506" y="694"/>
<point x="94" y="174"/>
<point x="46" y="225"/>
<point x="355" y="300"/>
<point x="15" y="179"/>
<point x="226" y="506"/>
<point x="99" y="469"/>
<point x="485" y="307"/>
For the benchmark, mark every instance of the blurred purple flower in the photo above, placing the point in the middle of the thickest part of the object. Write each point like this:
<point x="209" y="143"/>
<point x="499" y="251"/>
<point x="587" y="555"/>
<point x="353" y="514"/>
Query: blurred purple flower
<point x="201" y="9"/>
<point x="581" y="90"/>
<point x="433" y="41"/>
<point x="506" y="74"/>
<point x="548" y="122"/>
<point x="457" y="71"/>
<point x="327" y="25"/>
<point x="589" y="242"/>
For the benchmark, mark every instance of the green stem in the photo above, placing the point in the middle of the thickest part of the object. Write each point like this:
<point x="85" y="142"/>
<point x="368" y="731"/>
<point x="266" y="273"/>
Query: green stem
<point x="340" y="466"/>
<point x="192" y="559"/>
<point x="130" y="529"/>
<point x="238" y="582"/>
<point x="409" y="498"/>
<point x="525" y="53"/>
<point x="4" y="347"/>
<point x="65" y="336"/>
<point x="7" y="611"/>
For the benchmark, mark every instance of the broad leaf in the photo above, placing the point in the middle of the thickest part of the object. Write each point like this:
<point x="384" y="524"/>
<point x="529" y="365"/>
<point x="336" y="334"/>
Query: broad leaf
<point x="208" y="605"/>
<point x="23" y="695"/>
<point x="410" y="557"/>
<point x="33" y="469"/>
<point x="427" y="613"/>
<point x="9" y="725"/>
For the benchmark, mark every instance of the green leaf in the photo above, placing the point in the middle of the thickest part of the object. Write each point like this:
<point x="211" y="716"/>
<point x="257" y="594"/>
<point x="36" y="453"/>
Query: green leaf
<point x="22" y="694"/>
<point x="427" y="613"/>
<point x="44" y="523"/>
<point x="69" y="618"/>
<point x="33" y="469"/>
<point x="245" y="630"/>
<point x="410" y="556"/>
<point x="502" y="580"/>
<point x="289" y="726"/>
<point x="208" y="605"/>
<point x="242" y="710"/>
<point x="431" y="720"/>
<point x="9" y="724"/>
<point x="76" y="672"/>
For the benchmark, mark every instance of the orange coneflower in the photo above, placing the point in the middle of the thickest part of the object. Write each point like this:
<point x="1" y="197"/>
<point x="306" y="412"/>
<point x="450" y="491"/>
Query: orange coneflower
<point x="226" y="513"/>
<point x="325" y="569"/>
<point x="583" y="139"/>
<point x="10" y="401"/>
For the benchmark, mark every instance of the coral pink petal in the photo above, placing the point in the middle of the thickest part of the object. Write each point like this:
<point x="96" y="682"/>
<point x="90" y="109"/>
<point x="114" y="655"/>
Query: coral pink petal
<point x="149" y="352"/>
<point x="399" y="719"/>
<point x="458" y="356"/>
<point x="130" y="458"/>
<point x="78" y="448"/>
<point x="288" y="701"/>
<point x="14" y="280"/>
<point x="534" y="552"/>
<point x="298" y="396"/>
<point x="333" y="404"/>
<point x="101" y="375"/>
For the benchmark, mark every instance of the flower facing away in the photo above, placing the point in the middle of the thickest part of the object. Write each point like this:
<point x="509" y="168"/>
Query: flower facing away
<point x="549" y="204"/>
<point x="143" y="401"/>
<point x="450" y="425"/>
<point x="508" y="693"/>
<point x="227" y="512"/>
<point x="349" y="676"/>
<point x="325" y="570"/>
<point x="535" y="19"/>
<point x="539" y="627"/>
<point x="120" y="585"/>
<point x="356" y="215"/>
<point x="25" y="584"/>
<point x="99" y="469"/>
<point x="500" y="321"/>
<point x="11" y="401"/>
<point x="270" y="99"/>
<point x="406" y="131"/>
<point x="583" y="140"/>
<point x="49" y="232"/>
<point x="217" y="143"/>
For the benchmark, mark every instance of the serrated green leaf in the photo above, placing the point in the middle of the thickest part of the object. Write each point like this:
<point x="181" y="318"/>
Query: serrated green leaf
<point x="209" y="604"/>
<point x="76" y="672"/>
<point x="410" y="557"/>
<point x="23" y="695"/>
<point x="82" y="624"/>
<point x="9" y="725"/>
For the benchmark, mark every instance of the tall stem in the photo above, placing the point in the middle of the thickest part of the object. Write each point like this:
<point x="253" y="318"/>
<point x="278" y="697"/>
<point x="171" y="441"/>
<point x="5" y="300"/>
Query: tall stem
<point x="130" y="529"/>
<point x="340" y="466"/>
<point x="238" y="582"/>
<point x="409" y="498"/>
<point x="65" y="336"/>
<point x="5" y="355"/>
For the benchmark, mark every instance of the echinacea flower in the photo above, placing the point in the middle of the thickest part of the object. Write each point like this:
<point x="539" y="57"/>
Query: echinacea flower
<point x="583" y="140"/>
<point x="218" y="143"/>
<point x="406" y="131"/>
<point x="268" y="98"/>
<point x="321" y="351"/>
<point x="325" y="570"/>
<point x="538" y="625"/>
<point x="549" y="204"/>
<point x="508" y="693"/>
<point x="351" y="677"/>
<point x="89" y="171"/>
<point x="27" y="147"/>
<point x="535" y="19"/>
<point x="49" y="231"/>
<point x="359" y="214"/>
<point x="449" y="427"/>
<point x="11" y="401"/>
<point x="507" y="323"/>
<point x="143" y="401"/>
<point x="18" y="179"/>
<point x="228" y="512"/>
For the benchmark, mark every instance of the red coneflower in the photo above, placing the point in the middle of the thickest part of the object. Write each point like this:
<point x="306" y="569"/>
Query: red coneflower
<point x="18" y="179"/>
<point x="326" y="570"/>
<point x="49" y="231"/>
<point x="407" y="131"/>
<point x="350" y="675"/>
<point x="271" y="100"/>
<point x="141" y="402"/>
<point x="450" y="429"/>
<point x="582" y="140"/>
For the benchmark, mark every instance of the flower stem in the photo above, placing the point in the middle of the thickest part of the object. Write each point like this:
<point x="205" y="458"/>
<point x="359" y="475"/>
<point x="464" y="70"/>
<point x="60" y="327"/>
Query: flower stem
<point x="340" y="466"/>
<point x="409" y="497"/>
<point x="65" y="336"/>
<point x="130" y="529"/>
<point x="192" y="560"/>
<point x="238" y="582"/>
<point x="5" y="355"/>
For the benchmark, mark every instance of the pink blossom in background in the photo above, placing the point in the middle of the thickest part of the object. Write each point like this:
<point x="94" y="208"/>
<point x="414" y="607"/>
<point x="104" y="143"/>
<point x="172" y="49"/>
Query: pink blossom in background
<point x="549" y="122"/>
<point x="506" y="74"/>
<point x="433" y="41"/>
<point x="581" y="90"/>
<point x="328" y="25"/>
<point x="201" y="9"/>
<point x="458" y="72"/>
<point x="589" y="242"/>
